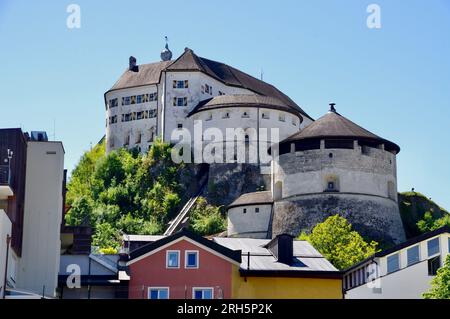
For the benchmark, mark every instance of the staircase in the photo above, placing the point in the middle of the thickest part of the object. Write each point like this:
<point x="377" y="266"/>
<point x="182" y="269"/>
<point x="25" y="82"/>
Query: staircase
<point x="181" y="219"/>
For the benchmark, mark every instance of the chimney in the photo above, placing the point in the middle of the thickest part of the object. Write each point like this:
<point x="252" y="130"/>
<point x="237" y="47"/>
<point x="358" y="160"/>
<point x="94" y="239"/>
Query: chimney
<point x="133" y="64"/>
<point x="282" y="248"/>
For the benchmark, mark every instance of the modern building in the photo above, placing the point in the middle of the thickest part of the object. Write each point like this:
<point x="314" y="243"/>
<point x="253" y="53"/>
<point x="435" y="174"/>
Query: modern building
<point x="333" y="166"/>
<point x="188" y="266"/>
<point x="401" y="272"/>
<point x="162" y="98"/>
<point x="31" y="194"/>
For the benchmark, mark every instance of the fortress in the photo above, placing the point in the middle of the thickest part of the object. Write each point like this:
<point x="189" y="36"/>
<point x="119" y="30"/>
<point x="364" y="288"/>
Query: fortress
<point x="318" y="168"/>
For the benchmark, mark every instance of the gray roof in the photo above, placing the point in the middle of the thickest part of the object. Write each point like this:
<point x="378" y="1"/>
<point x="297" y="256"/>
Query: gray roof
<point x="334" y="125"/>
<point x="254" y="198"/>
<point x="150" y="74"/>
<point x="143" y="238"/>
<point x="243" y="100"/>
<point x="307" y="257"/>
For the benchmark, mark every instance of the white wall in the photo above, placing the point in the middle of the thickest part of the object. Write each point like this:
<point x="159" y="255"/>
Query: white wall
<point x="5" y="230"/>
<point x="39" y="264"/>
<point x="250" y="224"/>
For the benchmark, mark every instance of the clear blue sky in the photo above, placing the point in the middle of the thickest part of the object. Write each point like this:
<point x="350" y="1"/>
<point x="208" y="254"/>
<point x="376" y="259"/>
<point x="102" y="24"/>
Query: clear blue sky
<point x="394" y="81"/>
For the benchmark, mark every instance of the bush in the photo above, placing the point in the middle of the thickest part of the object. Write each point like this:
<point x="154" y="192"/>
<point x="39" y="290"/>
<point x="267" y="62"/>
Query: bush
<point x="206" y="219"/>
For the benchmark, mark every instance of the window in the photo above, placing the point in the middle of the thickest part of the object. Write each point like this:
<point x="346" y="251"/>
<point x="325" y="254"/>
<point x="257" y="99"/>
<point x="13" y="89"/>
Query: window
<point x="153" y="96"/>
<point x="265" y="116"/>
<point x="208" y="89"/>
<point x="413" y="255"/>
<point x="393" y="263"/>
<point x="282" y="117"/>
<point x="433" y="247"/>
<point x="180" y="101"/>
<point x="433" y="265"/>
<point x="126" y="100"/>
<point x="138" y="138"/>
<point x="330" y="186"/>
<point x="139" y="99"/>
<point x="245" y="115"/>
<point x="202" y="293"/>
<point x="127" y="140"/>
<point x="158" y="293"/>
<point x="244" y="210"/>
<point x="221" y="93"/>
<point x="257" y="210"/>
<point x="173" y="259"/>
<point x="226" y="115"/>
<point x="113" y="103"/>
<point x="191" y="259"/>
<point x="180" y="84"/>
<point x="179" y="126"/>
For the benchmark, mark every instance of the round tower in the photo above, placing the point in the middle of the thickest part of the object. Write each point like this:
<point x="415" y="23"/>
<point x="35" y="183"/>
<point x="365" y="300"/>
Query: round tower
<point x="334" y="166"/>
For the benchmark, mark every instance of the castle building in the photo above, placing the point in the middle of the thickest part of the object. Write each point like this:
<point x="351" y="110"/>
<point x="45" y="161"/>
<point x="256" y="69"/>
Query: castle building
<point x="159" y="99"/>
<point x="333" y="166"/>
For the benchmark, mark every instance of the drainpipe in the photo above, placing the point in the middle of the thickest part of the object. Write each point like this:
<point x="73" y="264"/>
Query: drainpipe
<point x="8" y="241"/>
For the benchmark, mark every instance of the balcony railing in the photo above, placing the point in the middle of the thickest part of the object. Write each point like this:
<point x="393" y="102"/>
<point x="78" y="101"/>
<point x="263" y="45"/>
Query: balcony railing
<point x="5" y="176"/>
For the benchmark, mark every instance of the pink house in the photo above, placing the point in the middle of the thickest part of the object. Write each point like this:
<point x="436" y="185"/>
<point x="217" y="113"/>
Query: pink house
<point x="182" y="266"/>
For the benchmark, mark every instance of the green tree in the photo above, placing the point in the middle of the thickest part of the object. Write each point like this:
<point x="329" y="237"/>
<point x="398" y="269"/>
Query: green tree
<point x="337" y="242"/>
<point x="206" y="219"/>
<point x="440" y="285"/>
<point x="429" y="223"/>
<point x="106" y="236"/>
<point x="80" y="212"/>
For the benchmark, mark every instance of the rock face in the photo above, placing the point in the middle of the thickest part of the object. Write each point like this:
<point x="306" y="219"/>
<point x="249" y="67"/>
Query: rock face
<point x="373" y="217"/>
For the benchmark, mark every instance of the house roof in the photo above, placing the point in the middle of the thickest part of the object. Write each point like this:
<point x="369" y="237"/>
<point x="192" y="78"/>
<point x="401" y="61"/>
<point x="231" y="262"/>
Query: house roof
<point x="410" y="242"/>
<point x="308" y="262"/>
<point x="243" y="100"/>
<point x="255" y="198"/>
<point x="334" y="125"/>
<point x="234" y="255"/>
<point x="150" y="74"/>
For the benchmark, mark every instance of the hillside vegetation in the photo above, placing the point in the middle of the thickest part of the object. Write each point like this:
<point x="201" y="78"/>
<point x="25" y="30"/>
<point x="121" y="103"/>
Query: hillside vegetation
<point x="420" y="214"/>
<point x="127" y="192"/>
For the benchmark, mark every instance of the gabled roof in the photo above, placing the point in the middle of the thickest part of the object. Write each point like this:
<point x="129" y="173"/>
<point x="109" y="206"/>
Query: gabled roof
<point x="234" y="255"/>
<point x="308" y="262"/>
<point x="150" y="74"/>
<point x="255" y="198"/>
<point x="410" y="242"/>
<point x="334" y="125"/>
<point x="243" y="100"/>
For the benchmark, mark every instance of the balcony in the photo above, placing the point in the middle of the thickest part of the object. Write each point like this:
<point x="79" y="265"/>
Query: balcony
<point x="5" y="182"/>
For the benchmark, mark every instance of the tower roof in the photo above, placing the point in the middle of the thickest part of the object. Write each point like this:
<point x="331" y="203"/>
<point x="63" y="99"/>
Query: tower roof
<point x="335" y="126"/>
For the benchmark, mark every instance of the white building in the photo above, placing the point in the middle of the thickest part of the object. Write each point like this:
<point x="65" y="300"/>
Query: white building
<point x="162" y="98"/>
<point x="401" y="272"/>
<point x="32" y="221"/>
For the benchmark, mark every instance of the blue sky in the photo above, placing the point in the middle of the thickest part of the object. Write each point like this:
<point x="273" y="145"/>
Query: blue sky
<point x="394" y="81"/>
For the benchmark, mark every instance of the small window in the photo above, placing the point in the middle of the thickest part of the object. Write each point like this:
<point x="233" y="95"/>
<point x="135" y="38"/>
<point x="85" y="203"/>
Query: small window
<point x="330" y="186"/>
<point x="433" y="247"/>
<point x="245" y="115"/>
<point x="226" y="115"/>
<point x="180" y="101"/>
<point x="158" y="293"/>
<point x="433" y="265"/>
<point x="173" y="259"/>
<point x="257" y="210"/>
<point x="191" y="259"/>
<point x="179" y="126"/>
<point x="244" y="210"/>
<point x="282" y="117"/>
<point x="265" y="116"/>
<point x="202" y="293"/>
<point x="393" y="263"/>
<point x="413" y="255"/>
<point x="180" y="84"/>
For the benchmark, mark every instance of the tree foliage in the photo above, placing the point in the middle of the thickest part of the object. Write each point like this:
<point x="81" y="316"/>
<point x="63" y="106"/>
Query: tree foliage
<point x="337" y="242"/>
<point x="206" y="219"/>
<point x="440" y="285"/>
<point x="124" y="191"/>
<point x="429" y="223"/>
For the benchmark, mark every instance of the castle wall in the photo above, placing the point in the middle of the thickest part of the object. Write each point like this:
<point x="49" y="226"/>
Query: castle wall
<point x="375" y="217"/>
<point x="249" y="224"/>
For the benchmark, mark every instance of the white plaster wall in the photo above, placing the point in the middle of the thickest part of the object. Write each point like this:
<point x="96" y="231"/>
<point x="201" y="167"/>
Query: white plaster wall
<point x="307" y="172"/>
<point x="39" y="263"/>
<point x="5" y="230"/>
<point x="250" y="224"/>
<point x="119" y="130"/>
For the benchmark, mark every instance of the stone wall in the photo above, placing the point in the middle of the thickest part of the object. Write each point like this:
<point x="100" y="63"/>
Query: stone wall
<point x="374" y="217"/>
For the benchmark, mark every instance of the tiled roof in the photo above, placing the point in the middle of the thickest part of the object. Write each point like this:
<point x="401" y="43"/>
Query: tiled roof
<point x="254" y="198"/>
<point x="334" y="125"/>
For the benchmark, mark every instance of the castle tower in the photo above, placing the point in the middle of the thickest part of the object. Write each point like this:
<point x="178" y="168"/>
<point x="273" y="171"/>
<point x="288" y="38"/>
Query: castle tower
<point x="334" y="166"/>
